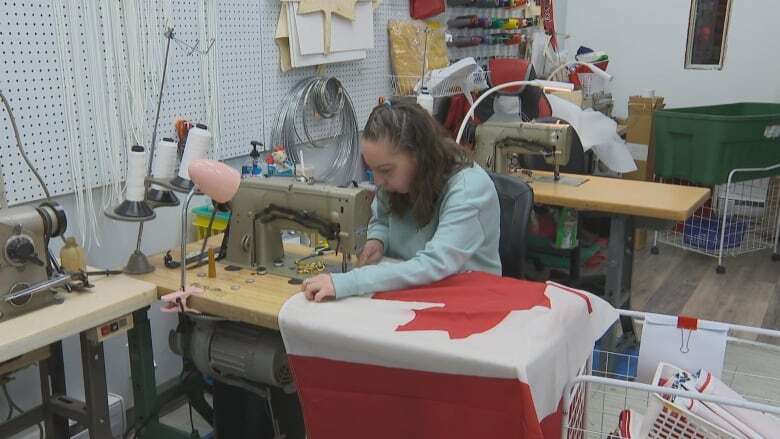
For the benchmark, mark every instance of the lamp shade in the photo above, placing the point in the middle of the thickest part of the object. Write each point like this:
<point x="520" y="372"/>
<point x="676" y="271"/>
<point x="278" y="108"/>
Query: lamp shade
<point x="217" y="180"/>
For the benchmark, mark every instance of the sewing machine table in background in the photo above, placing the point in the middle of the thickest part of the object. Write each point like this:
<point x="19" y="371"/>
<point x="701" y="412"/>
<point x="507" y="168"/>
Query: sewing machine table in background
<point x="42" y="330"/>
<point x="628" y="202"/>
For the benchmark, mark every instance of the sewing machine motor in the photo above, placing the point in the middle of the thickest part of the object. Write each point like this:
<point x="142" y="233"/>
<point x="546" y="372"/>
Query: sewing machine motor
<point x="25" y="266"/>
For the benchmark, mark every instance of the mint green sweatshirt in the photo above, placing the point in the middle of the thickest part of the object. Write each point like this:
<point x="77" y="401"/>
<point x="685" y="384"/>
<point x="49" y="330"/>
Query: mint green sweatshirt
<point x="463" y="236"/>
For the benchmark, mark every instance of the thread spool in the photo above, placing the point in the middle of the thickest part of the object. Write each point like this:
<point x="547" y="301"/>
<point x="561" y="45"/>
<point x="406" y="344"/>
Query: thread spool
<point x="134" y="207"/>
<point x="197" y="147"/>
<point x="136" y="172"/>
<point x="165" y="160"/>
<point x="164" y="168"/>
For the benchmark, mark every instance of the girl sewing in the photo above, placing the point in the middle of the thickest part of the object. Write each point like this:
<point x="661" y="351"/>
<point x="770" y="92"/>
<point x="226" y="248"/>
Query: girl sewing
<point x="435" y="209"/>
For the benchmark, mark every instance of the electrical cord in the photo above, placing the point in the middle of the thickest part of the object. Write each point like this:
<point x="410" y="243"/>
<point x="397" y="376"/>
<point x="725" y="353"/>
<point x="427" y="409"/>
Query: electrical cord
<point x="23" y="153"/>
<point x="21" y="149"/>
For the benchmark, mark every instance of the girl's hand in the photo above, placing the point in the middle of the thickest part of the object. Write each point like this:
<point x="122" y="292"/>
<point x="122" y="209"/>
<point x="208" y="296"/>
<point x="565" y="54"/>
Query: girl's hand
<point x="372" y="253"/>
<point x="319" y="288"/>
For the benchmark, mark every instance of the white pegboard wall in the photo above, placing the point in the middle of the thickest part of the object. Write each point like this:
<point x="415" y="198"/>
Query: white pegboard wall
<point x="30" y="80"/>
<point x="364" y="80"/>
<point x="252" y="87"/>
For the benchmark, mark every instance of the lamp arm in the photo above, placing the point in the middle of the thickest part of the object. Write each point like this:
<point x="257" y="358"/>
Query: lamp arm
<point x="535" y="83"/>
<point x="184" y="210"/>
<point x="481" y="98"/>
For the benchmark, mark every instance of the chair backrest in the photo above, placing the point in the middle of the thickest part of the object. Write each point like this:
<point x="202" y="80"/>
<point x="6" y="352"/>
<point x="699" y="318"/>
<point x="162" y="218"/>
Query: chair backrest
<point x="516" y="199"/>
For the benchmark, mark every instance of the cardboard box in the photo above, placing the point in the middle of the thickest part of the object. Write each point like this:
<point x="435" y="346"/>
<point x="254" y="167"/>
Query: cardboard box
<point x="575" y="97"/>
<point x="640" y="239"/>
<point x="640" y="118"/>
<point x="640" y="173"/>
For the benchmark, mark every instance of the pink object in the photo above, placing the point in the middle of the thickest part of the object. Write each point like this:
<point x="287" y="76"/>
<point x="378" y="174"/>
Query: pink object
<point x="177" y="301"/>
<point x="217" y="180"/>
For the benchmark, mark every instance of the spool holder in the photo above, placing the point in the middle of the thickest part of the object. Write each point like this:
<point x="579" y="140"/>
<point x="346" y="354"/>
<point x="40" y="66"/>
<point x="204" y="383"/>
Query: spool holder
<point x="165" y="184"/>
<point x="138" y="263"/>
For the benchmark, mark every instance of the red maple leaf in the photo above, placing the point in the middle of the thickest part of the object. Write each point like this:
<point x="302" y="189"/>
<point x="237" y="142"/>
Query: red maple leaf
<point x="473" y="302"/>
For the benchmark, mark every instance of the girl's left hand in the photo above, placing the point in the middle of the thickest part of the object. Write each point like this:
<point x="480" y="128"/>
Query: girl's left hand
<point x="319" y="288"/>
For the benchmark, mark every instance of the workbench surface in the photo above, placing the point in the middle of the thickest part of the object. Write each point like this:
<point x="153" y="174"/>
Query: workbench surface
<point x="257" y="303"/>
<point x="110" y="298"/>
<point x="623" y="197"/>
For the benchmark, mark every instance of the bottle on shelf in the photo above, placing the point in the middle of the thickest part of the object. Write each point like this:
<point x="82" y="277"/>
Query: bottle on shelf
<point x="252" y="166"/>
<point x="425" y="100"/>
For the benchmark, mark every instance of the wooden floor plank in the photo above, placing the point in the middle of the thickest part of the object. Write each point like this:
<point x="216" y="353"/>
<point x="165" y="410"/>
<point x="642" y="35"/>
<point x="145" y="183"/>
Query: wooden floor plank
<point x="675" y="291"/>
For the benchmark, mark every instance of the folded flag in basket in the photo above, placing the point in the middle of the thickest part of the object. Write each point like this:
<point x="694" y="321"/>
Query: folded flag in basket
<point x="474" y="355"/>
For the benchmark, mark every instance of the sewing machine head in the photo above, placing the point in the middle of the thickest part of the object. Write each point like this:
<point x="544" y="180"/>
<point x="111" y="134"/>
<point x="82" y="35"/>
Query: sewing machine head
<point x="24" y="237"/>
<point x="264" y="207"/>
<point x="499" y="144"/>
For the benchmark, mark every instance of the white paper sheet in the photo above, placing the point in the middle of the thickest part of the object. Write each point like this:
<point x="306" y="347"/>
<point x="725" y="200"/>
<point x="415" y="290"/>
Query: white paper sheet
<point x="300" y="60"/>
<point x="662" y="340"/>
<point x="596" y="131"/>
<point x="346" y="35"/>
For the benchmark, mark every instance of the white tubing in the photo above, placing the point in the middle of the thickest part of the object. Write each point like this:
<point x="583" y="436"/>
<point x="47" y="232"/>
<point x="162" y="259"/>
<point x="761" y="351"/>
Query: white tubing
<point x="534" y="83"/>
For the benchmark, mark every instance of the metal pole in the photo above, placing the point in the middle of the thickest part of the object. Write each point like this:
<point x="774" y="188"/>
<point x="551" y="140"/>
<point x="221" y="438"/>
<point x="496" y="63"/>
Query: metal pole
<point x="169" y="35"/>
<point x="184" y="236"/>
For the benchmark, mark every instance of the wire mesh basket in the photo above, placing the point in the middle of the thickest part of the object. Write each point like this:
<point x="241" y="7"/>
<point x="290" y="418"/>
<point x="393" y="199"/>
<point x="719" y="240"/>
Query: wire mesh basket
<point x="592" y="84"/>
<point x="612" y="395"/>
<point x="741" y="217"/>
<point x="439" y="88"/>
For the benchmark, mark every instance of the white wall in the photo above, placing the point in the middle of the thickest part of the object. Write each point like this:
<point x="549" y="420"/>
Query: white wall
<point x="646" y="41"/>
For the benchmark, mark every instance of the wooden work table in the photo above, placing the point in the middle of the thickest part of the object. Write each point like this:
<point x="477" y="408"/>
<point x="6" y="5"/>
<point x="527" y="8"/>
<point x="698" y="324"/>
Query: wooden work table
<point x="36" y="337"/>
<point x="236" y="295"/>
<point x="110" y="298"/>
<point x="623" y="197"/>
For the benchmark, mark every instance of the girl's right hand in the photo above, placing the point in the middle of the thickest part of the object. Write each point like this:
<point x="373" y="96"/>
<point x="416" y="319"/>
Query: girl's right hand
<point x="372" y="253"/>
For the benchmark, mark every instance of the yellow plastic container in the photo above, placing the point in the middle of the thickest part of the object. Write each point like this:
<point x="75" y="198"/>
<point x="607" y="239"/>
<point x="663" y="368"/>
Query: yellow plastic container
<point x="202" y="217"/>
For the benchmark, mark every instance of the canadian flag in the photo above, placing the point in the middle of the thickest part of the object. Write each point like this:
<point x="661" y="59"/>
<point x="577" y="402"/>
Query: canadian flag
<point x="472" y="356"/>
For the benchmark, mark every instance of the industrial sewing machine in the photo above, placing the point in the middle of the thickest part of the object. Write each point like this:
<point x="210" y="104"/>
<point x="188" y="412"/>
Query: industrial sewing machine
<point x="499" y="145"/>
<point x="264" y="207"/>
<point x="27" y="280"/>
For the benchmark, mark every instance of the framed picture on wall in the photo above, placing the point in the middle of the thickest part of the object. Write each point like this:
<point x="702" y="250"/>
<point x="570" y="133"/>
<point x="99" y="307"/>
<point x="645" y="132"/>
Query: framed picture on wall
<point x="707" y="27"/>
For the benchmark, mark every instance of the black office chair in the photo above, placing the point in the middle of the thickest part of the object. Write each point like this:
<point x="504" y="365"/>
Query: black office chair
<point x="580" y="162"/>
<point x="516" y="199"/>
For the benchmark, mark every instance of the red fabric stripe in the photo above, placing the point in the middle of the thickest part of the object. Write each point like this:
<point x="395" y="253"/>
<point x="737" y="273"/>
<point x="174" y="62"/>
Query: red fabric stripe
<point x="474" y="303"/>
<point x="706" y="383"/>
<point x="342" y="400"/>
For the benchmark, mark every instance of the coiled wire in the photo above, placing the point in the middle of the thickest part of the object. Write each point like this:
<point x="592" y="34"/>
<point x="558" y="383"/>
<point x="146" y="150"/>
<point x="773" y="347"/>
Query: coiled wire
<point x="325" y="100"/>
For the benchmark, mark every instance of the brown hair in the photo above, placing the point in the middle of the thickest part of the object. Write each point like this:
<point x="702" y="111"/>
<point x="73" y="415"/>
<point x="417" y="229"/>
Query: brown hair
<point x="411" y="129"/>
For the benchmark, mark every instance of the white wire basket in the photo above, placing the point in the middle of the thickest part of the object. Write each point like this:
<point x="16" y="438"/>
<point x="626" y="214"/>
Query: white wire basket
<point x="751" y="368"/>
<point x="592" y="84"/>
<point x="411" y="85"/>
<point x="741" y="217"/>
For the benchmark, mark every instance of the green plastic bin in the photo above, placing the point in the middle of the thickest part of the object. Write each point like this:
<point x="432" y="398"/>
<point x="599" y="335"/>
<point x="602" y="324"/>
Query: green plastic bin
<point x="703" y="144"/>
